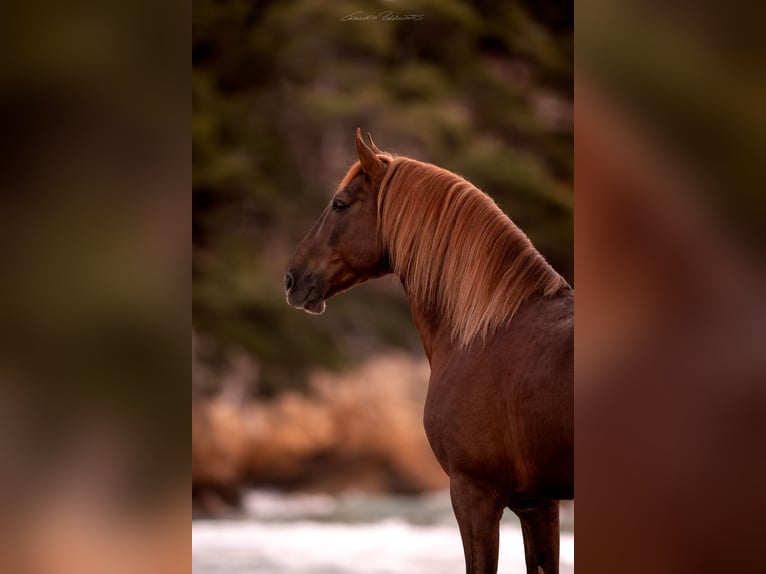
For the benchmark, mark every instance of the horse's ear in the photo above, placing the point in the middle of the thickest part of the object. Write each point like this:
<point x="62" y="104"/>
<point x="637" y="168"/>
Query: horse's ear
<point x="372" y="143"/>
<point x="371" y="165"/>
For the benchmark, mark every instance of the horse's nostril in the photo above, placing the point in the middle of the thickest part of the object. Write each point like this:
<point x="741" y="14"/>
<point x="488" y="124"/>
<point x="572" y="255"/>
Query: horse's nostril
<point x="288" y="281"/>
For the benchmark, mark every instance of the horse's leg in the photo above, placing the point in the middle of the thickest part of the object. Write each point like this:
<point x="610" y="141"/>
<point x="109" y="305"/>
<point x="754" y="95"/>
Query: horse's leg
<point x="540" y="528"/>
<point x="478" y="515"/>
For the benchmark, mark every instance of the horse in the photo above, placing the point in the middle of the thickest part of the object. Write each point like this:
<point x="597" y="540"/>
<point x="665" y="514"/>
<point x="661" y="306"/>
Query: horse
<point x="496" y="323"/>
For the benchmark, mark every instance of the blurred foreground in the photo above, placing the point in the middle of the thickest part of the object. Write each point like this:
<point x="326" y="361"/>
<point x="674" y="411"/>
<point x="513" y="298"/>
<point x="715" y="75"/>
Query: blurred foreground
<point x="353" y="533"/>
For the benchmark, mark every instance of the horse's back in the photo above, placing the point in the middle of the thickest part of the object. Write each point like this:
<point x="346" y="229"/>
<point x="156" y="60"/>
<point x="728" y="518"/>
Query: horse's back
<point x="502" y="411"/>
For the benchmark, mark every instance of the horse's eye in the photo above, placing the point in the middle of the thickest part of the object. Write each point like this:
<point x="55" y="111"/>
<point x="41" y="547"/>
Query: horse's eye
<point x="338" y="205"/>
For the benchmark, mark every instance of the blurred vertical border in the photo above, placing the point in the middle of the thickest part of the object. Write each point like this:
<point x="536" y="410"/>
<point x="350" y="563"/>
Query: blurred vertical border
<point x="671" y="368"/>
<point x="95" y="221"/>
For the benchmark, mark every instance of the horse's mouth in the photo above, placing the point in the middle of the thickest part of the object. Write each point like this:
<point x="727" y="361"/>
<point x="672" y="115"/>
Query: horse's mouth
<point x="314" y="305"/>
<point x="313" y="302"/>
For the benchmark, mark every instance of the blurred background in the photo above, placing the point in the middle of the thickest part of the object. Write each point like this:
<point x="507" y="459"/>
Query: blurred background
<point x="297" y="417"/>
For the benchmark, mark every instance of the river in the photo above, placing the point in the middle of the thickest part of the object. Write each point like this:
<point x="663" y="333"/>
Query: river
<point x="350" y="534"/>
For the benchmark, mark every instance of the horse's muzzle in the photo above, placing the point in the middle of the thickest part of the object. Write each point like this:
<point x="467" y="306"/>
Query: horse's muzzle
<point x="304" y="293"/>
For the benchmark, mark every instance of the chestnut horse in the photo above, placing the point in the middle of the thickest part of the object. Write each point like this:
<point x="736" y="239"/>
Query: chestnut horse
<point x="497" y="325"/>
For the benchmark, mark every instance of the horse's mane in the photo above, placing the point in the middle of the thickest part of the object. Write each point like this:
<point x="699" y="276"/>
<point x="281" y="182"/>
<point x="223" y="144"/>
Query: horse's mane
<point x="458" y="253"/>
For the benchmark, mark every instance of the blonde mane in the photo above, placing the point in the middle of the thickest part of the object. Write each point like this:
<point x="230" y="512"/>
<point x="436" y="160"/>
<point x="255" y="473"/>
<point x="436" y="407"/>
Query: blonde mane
<point x="458" y="254"/>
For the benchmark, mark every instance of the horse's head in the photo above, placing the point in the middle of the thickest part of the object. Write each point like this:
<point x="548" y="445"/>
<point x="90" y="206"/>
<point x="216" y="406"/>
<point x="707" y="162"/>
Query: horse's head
<point x="344" y="247"/>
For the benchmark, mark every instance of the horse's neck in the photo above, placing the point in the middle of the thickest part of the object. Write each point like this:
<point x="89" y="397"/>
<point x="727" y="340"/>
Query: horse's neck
<point x="433" y="332"/>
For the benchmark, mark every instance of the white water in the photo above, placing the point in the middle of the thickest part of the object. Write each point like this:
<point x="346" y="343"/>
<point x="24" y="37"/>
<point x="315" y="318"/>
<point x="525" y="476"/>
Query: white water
<point x="350" y="535"/>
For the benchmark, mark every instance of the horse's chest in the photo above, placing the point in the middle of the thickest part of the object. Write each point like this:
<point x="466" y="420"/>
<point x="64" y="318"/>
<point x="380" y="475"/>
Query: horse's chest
<point x="466" y="423"/>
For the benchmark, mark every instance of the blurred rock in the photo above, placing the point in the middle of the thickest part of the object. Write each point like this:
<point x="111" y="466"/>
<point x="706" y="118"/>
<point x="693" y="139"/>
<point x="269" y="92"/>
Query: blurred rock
<point x="359" y="431"/>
